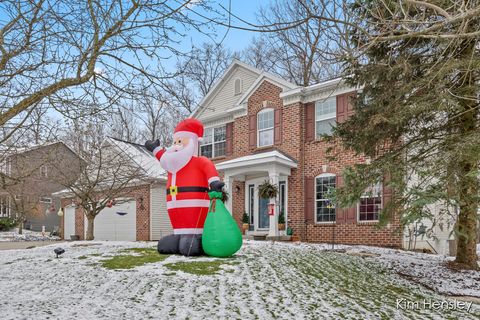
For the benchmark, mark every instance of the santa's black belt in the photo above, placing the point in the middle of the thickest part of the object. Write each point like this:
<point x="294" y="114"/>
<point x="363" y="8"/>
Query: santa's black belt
<point x="173" y="190"/>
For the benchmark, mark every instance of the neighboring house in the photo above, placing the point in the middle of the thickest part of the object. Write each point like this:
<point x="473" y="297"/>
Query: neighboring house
<point x="260" y="127"/>
<point x="140" y="211"/>
<point x="32" y="175"/>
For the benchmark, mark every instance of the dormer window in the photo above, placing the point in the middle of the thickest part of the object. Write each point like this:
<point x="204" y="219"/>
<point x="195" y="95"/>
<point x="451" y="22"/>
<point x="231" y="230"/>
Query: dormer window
<point x="238" y="86"/>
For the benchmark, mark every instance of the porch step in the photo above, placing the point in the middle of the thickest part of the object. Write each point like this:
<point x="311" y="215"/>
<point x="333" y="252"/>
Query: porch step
<point x="279" y="238"/>
<point x="258" y="235"/>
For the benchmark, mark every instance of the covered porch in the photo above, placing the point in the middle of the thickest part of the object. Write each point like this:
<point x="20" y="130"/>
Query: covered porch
<point x="246" y="174"/>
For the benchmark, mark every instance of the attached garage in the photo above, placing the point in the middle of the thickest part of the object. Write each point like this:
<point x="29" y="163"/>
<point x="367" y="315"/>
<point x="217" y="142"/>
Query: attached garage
<point x="140" y="212"/>
<point x="140" y="216"/>
<point x="117" y="223"/>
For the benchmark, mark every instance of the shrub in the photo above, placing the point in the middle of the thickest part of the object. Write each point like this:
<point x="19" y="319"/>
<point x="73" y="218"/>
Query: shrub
<point x="7" y="224"/>
<point x="245" y="218"/>
<point x="289" y="231"/>
<point x="267" y="190"/>
<point x="281" y="218"/>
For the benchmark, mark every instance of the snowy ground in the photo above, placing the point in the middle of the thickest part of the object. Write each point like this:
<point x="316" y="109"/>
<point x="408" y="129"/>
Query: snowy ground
<point x="429" y="270"/>
<point x="26" y="235"/>
<point x="263" y="281"/>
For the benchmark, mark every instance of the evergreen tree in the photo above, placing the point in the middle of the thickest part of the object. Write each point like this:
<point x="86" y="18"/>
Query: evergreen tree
<point x="417" y="113"/>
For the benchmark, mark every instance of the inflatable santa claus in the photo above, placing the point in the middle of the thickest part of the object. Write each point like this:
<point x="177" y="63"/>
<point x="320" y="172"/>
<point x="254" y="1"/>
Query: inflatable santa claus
<point x="190" y="177"/>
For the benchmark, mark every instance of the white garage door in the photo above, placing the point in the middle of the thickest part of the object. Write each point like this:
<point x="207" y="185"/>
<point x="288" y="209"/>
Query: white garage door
<point x="160" y="222"/>
<point x="68" y="222"/>
<point x="116" y="223"/>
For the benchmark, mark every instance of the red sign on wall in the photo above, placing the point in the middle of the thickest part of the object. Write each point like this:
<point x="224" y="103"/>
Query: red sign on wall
<point x="271" y="209"/>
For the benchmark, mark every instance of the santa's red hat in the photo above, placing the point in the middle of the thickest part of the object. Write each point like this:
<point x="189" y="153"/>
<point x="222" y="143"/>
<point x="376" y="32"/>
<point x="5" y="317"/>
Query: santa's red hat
<point x="189" y="128"/>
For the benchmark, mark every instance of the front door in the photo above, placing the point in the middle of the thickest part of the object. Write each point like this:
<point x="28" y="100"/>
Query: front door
<point x="257" y="208"/>
<point x="263" y="218"/>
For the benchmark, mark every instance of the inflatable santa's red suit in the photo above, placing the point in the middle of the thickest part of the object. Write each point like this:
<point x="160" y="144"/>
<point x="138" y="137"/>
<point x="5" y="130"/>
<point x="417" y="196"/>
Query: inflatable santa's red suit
<point x="190" y="177"/>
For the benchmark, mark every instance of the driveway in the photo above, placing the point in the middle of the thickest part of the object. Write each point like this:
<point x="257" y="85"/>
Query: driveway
<point x="7" y="245"/>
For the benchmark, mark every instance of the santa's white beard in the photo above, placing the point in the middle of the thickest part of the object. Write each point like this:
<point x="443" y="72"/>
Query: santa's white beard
<point x="176" y="158"/>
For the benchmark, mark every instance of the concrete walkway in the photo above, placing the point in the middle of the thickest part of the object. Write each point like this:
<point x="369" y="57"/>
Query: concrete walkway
<point x="7" y="245"/>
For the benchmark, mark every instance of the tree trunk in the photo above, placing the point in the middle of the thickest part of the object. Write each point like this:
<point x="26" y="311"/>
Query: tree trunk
<point x="90" y="219"/>
<point x="467" y="220"/>
<point x="20" y="227"/>
<point x="468" y="184"/>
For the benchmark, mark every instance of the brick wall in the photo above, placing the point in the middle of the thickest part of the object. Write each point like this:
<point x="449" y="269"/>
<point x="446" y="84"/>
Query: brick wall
<point x="311" y="157"/>
<point x="238" y="205"/>
<point x="80" y="226"/>
<point x="142" y="210"/>
<point x="367" y="233"/>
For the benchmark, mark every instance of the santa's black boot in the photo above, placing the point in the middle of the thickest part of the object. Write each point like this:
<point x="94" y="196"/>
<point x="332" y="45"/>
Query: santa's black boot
<point x="169" y="244"/>
<point x="190" y="245"/>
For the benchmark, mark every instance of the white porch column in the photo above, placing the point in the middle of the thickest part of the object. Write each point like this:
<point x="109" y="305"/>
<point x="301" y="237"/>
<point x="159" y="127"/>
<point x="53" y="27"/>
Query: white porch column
<point x="228" y="180"/>
<point x="273" y="229"/>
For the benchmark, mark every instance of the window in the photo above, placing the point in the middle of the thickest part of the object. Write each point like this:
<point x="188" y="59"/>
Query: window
<point x="238" y="86"/>
<point x="325" y="210"/>
<point x="370" y="203"/>
<point x="251" y="201"/>
<point x="214" y="140"/>
<point x="44" y="171"/>
<point x="45" y="200"/>
<point x="325" y="116"/>
<point x="265" y="127"/>
<point x="282" y="197"/>
<point x="4" y="206"/>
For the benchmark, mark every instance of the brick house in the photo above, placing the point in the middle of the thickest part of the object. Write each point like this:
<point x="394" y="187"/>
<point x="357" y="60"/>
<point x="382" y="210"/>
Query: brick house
<point x="139" y="213"/>
<point x="260" y="127"/>
<point x="36" y="173"/>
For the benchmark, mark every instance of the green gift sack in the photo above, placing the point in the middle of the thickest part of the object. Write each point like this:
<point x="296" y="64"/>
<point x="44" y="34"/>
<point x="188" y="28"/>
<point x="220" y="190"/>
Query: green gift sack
<point x="221" y="235"/>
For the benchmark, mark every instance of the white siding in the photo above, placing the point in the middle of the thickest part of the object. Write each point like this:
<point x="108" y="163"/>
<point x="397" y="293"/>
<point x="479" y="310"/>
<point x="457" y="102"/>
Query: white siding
<point x="439" y="236"/>
<point x="69" y="222"/>
<point x="225" y="97"/>
<point x="160" y="222"/>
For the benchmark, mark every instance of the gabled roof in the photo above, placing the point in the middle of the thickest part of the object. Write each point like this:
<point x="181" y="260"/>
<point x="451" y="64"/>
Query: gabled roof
<point x="262" y="75"/>
<point x="141" y="156"/>
<point x="10" y="151"/>
<point x="266" y="76"/>
<point x="235" y="63"/>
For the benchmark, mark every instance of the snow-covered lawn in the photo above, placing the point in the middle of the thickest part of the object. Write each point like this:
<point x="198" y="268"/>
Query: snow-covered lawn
<point x="27" y="235"/>
<point x="429" y="270"/>
<point x="263" y="281"/>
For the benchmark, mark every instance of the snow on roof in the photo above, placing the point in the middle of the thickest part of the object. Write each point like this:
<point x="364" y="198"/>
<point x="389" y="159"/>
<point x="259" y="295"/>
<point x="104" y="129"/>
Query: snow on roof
<point x="258" y="158"/>
<point x="13" y="150"/>
<point x="141" y="156"/>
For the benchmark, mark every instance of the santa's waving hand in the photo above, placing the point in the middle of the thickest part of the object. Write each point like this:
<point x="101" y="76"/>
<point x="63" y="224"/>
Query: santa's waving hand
<point x="190" y="177"/>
